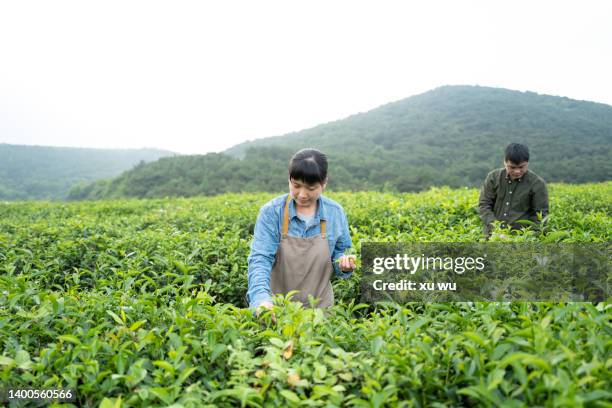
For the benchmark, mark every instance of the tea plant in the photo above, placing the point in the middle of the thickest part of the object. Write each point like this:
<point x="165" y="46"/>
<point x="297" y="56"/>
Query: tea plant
<point x="141" y="303"/>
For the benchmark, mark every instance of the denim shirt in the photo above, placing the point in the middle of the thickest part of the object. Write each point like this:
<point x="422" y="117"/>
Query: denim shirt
<point x="267" y="235"/>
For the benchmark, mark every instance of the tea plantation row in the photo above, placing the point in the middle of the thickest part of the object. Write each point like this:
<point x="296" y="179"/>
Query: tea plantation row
<point x="141" y="303"/>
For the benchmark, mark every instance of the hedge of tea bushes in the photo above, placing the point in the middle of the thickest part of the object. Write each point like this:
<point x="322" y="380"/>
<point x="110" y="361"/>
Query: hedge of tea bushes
<point x="141" y="303"/>
<point x="179" y="346"/>
<point x="154" y="243"/>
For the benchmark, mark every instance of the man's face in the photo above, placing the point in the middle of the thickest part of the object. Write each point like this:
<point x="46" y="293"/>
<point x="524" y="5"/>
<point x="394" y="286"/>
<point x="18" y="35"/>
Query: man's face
<point x="305" y="194"/>
<point x="516" y="171"/>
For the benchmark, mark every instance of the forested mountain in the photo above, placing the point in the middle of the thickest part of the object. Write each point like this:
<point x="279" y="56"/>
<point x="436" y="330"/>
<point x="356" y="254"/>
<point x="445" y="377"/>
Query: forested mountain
<point x="451" y="135"/>
<point x="42" y="172"/>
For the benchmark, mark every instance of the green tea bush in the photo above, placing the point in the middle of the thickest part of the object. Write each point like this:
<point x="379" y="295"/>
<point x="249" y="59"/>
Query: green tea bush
<point x="141" y="303"/>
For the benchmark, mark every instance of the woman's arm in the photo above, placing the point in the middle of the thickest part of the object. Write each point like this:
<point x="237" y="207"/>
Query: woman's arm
<point x="262" y="256"/>
<point x="342" y="244"/>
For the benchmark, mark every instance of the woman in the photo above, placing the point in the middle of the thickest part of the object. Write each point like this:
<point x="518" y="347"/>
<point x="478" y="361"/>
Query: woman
<point x="299" y="239"/>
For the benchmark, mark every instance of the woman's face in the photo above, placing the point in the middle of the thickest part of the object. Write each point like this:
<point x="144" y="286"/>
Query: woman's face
<point x="305" y="194"/>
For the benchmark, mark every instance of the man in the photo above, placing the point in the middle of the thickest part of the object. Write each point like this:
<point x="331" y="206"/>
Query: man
<point x="513" y="193"/>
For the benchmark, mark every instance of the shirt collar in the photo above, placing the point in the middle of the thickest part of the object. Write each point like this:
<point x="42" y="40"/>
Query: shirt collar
<point x="319" y="214"/>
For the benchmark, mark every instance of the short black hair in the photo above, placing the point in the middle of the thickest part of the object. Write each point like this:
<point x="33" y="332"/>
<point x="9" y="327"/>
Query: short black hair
<point x="309" y="166"/>
<point x="517" y="153"/>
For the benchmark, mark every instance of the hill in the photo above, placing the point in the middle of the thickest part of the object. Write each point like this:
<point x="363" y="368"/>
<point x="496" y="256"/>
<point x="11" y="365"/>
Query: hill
<point x="44" y="172"/>
<point x="451" y="135"/>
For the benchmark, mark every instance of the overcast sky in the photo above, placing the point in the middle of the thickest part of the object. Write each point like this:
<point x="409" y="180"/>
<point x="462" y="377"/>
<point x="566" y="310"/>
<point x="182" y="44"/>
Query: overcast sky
<point x="196" y="77"/>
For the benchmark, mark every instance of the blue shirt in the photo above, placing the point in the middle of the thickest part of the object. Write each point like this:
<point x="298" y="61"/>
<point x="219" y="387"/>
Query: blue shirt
<point x="267" y="235"/>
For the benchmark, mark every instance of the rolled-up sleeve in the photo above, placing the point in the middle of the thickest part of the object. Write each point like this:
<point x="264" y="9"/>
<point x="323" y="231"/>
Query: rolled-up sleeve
<point x="342" y="244"/>
<point x="262" y="256"/>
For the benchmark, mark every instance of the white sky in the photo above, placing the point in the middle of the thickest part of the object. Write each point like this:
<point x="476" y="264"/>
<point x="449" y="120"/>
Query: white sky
<point x="195" y="77"/>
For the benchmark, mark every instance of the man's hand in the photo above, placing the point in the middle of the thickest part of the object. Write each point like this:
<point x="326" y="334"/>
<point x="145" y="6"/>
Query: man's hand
<point x="347" y="263"/>
<point x="266" y="305"/>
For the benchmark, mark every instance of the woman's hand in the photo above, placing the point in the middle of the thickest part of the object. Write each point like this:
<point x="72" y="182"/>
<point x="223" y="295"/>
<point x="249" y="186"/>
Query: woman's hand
<point x="347" y="263"/>
<point x="266" y="306"/>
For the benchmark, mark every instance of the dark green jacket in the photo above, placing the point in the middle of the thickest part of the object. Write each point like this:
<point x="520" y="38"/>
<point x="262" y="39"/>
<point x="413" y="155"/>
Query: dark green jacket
<point x="509" y="200"/>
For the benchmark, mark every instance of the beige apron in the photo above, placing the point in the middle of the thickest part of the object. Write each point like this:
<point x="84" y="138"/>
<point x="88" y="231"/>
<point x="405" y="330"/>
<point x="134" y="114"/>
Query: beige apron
<point x="303" y="264"/>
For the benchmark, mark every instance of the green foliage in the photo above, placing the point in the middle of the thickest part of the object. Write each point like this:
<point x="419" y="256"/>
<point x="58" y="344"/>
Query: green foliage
<point x="38" y="172"/>
<point x="450" y="136"/>
<point x="141" y="303"/>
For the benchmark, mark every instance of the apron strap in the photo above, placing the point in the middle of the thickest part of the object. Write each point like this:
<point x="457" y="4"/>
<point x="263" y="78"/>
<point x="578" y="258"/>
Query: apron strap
<point x="286" y="221"/>
<point x="286" y="217"/>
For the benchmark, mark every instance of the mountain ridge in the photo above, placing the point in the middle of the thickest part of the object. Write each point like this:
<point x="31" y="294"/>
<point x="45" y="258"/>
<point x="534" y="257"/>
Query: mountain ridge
<point x="48" y="172"/>
<point x="451" y="135"/>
